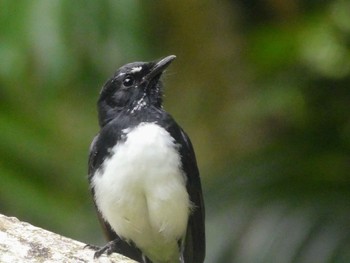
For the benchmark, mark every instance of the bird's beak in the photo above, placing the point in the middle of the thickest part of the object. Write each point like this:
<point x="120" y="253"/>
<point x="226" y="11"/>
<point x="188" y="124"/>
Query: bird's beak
<point x="158" y="68"/>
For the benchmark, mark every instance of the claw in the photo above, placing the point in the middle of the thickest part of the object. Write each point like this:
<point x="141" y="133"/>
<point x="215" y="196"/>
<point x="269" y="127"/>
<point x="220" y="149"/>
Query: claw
<point x="93" y="247"/>
<point x="109" y="248"/>
<point x="99" y="252"/>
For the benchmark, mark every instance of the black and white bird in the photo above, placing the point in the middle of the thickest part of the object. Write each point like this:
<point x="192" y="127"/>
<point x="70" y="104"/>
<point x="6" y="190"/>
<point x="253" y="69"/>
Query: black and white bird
<point x="143" y="173"/>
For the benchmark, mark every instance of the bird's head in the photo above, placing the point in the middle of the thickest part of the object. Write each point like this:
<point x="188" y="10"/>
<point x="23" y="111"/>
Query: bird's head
<point x="133" y="87"/>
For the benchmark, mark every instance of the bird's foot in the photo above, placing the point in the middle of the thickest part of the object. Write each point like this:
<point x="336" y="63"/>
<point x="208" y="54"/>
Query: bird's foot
<point x="109" y="248"/>
<point x="93" y="247"/>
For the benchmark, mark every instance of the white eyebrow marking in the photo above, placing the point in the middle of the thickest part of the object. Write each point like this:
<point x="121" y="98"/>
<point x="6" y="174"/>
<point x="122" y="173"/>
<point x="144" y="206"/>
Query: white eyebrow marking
<point x="136" y="69"/>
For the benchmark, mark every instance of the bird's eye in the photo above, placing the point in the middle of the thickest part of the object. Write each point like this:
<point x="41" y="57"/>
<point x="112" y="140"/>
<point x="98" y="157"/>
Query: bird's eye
<point x="128" y="81"/>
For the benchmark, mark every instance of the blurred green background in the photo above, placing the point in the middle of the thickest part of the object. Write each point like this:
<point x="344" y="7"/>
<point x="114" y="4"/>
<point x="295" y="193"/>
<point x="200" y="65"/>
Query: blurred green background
<point x="261" y="87"/>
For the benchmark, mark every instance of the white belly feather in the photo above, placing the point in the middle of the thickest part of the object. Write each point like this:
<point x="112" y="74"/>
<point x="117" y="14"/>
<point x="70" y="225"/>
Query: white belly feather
<point x="141" y="192"/>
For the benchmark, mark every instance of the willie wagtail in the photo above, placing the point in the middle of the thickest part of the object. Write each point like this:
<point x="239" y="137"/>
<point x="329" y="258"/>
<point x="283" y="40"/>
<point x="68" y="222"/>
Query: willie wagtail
<point x="143" y="173"/>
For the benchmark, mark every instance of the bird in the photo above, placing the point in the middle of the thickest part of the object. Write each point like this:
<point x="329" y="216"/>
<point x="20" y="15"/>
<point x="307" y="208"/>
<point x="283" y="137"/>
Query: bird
<point x="143" y="173"/>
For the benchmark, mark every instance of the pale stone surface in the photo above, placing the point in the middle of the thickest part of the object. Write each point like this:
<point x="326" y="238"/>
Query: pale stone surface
<point x="22" y="242"/>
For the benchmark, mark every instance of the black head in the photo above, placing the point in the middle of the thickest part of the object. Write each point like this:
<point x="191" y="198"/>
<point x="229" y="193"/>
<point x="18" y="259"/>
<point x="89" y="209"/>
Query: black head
<point x="133" y="87"/>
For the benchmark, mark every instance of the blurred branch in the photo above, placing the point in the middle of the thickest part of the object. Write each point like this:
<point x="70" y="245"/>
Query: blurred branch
<point x="22" y="242"/>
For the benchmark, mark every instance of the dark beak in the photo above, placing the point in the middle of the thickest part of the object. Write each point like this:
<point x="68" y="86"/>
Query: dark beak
<point x="158" y="68"/>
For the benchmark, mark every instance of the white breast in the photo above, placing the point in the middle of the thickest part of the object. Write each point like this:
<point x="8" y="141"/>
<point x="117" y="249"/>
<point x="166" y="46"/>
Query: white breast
<point x="141" y="192"/>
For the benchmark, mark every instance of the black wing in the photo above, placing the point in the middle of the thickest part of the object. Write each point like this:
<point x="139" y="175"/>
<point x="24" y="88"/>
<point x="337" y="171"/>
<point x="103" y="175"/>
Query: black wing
<point x="96" y="157"/>
<point x="194" y="247"/>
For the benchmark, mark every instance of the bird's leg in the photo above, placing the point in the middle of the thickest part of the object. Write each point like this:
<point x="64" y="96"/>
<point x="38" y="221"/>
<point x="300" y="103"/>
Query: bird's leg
<point x="109" y="248"/>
